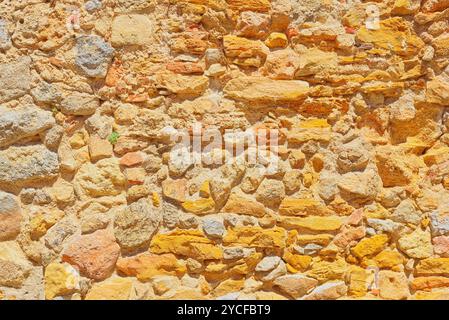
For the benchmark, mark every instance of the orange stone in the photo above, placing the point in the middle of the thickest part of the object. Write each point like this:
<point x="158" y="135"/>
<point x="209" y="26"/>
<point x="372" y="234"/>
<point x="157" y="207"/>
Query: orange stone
<point x="94" y="255"/>
<point x="131" y="159"/>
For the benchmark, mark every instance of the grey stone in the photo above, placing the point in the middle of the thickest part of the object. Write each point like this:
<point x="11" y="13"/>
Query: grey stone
<point x="135" y="225"/>
<point x="386" y="226"/>
<point x="5" y="39"/>
<point x="268" y="264"/>
<point x="59" y="233"/>
<point x="28" y="164"/>
<point x="277" y="272"/>
<point x="46" y="93"/>
<point x="79" y="104"/>
<point x="270" y="192"/>
<point x="19" y="123"/>
<point x="439" y="225"/>
<point x="93" y="56"/>
<point x="52" y="137"/>
<point x="231" y="253"/>
<point x="15" y="79"/>
<point x="312" y="248"/>
<point x="93" y="5"/>
<point x="213" y="228"/>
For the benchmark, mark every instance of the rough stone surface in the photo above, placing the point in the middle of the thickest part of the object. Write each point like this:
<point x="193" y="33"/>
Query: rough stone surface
<point x="10" y="216"/>
<point x="94" y="255"/>
<point x="16" y="78"/>
<point x="20" y="123"/>
<point x="36" y="164"/>
<point x="224" y="149"/>
<point x="135" y="225"/>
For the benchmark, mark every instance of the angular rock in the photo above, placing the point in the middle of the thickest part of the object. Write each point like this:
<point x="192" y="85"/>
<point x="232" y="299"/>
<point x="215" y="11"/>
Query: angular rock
<point x="175" y="190"/>
<point x="259" y="90"/>
<point x="189" y="243"/>
<point x="241" y="204"/>
<point x="94" y="255"/>
<point x="93" y="56"/>
<point x="328" y="291"/>
<point x="213" y="228"/>
<point x="131" y="29"/>
<point x="328" y="270"/>
<point x="302" y="207"/>
<point x="268" y="263"/>
<point x="60" y="280"/>
<point x="359" y="187"/>
<point x="437" y="91"/>
<point x="5" y="39"/>
<point x="79" y="104"/>
<point x="370" y="246"/>
<point x="111" y="289"/>
<point x="102" y="179"/>
<point x="184" y="85"/>
<point x="26" y="165"/>
<point x="394" y="34"/>
<point x="15" y="78"/>
<point x="255" y="237"/>
<point x="295" y="286"/>
<point x="417" y="244"/>
<point x="14" y="267"/>
<point x="20" y="123"/>
<point x="245" y="52"/>
<point x="393" y="285"/>
<point x="10" y="216"/>
<point x="312" y="223"/>
<point x="135" y="225"/>
<point x="406" y="212"/>
<point x="145" y="266"/>
<point x="270" y="192"/>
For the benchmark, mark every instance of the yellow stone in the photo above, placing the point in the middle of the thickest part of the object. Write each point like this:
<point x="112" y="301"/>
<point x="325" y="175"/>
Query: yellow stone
<point x="200" y="206"/>
<point x="60" y="279"/>
<point x="255" y="237"/>
<point x="389" y="259"/>
<point x="433" y="266"/>
<point x="205" y="190"/>
<point x="276" y="40"/>
<point x="145" y="266"/>
<point x="156" y="199"/>
<point x="358" y="282"/>
<point x="302" y="207"/>
<point x="190" y="243"/>
<point x="370" y="246"/>
<point x="404" y="7"/>
<point x="298" y="262"/>
<point x="245" y="52"/>
<point x="328" y="270"/>
<point x="111" y="289"/>
<point x="228" y="286"/>
<point x="436" y="156"/>
<point x="244" y="205"/>
<point x="265" y="295"/>
<point x="40" y="223"/>
<point x="314" y="123"/>
<point x="394" y="34"/>
<point x="321" y="239"/>
<point x="266" y="91"/>
<point x="428" y="283"/>
<point x="311" y="223"/>
<point x="250" y="5"/>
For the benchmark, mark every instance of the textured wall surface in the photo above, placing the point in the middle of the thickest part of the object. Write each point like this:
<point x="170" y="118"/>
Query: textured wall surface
<point x="349" y="200"/>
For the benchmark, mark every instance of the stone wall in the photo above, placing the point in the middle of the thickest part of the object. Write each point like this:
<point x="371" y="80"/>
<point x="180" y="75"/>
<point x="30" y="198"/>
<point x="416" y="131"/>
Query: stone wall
<point x="350" y="201"/>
